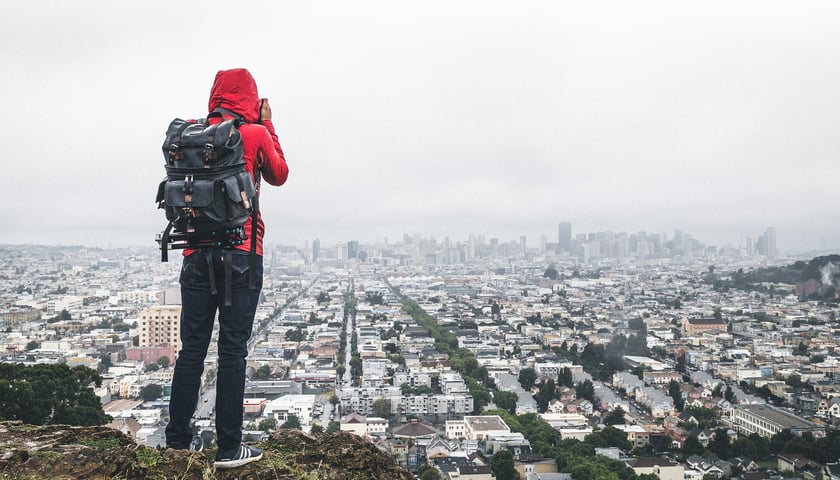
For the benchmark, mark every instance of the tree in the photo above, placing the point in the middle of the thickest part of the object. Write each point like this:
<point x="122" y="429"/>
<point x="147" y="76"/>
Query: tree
<point x="615" y="417"/>
<point x="150" y="392"/>
<point x="609" y="437"/>
<point x="675" y="392"/>
<point x="333" y="427"/>
<point x="152" y="367"/>
<point x="427" y="472"/>
<point x="268" y="424"/>
<point x="586" y="389"/>
<point x="163" y="361"/>
<point x="729" y="394"/>
<point x="527" y="378"/>
<point x="104" y="362"/>
<point x="263" y="372"/>
<point x="565" y="378"/>
<point x="692" y="446"/>
<point x="323" y="297"/>
<point x="545" y="394"/>
<point x="551" y="272"/>
<point x="32" y="345"/>
<point x="502" y="466"/>
<point x="506" y="400"/>
<point x="720" y="444"/>
<point x="292" y="422"/>
<point x="381" y="408"/>
<point x="295" y="335"/>
<point x="55" y="393"/>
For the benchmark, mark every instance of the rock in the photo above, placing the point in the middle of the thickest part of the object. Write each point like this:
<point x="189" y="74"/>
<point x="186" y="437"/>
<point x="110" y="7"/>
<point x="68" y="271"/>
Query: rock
<point x="67" y="452"/>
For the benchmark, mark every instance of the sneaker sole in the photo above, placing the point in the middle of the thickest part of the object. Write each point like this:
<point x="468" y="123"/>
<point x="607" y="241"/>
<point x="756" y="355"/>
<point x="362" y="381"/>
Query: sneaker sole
<point x="224" y="465"/>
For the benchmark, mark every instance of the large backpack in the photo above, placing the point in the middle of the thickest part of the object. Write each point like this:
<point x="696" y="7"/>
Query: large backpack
<point x="207" y="193"/>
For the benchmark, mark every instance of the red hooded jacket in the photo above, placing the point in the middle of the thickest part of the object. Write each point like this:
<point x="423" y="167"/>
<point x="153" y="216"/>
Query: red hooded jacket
<point x="236" y="90"/>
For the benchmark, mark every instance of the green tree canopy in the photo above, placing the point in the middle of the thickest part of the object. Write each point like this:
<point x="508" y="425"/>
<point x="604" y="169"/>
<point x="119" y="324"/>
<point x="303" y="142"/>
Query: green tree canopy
<point x="502" y="465"/>
<point x="163" y="361"/>
<point x="268" y="424"/>
<point x="614" y="417"/>
<point x="56" y="393"/>
<point x="505" y="400"/>
<point x="150" y="392"/>
<point x="381" y="408"/>
<point x="527" y="377"/>
<point x="609" y="437"/>
<point x="428" y="472"/>
<point x="292" y="422"/>
<point x="585" y="389"/>
<point x="692" y="446"/>
<point x="263" y="372"/>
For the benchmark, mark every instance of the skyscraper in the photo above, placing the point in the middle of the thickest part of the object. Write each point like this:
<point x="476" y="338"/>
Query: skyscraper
<point x="770" y="239"/>
<point x="564" y="237"/>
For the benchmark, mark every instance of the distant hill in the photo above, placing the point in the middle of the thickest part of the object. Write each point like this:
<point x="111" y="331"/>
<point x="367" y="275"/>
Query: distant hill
<point x="825" y="271"/>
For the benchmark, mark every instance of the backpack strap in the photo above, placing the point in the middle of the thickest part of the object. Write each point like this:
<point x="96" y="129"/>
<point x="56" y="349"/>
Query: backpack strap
<point x="218" y="111"/>
<point x="211" y="271"/>
<point x="252" y="256"/>
<point x="164" y="243"/>
<point x="228" y="281"/>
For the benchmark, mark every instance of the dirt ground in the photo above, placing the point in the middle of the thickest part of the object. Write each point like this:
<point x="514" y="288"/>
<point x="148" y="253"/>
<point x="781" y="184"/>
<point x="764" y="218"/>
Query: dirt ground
<point x="62" y="452"/>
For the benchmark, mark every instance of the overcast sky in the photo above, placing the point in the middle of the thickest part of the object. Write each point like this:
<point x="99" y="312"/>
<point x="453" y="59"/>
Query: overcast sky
<point x="439" y="117"/>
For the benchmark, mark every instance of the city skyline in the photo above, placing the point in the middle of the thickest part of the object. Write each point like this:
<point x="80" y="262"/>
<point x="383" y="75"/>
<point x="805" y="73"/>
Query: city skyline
<point x="439" y="118"/>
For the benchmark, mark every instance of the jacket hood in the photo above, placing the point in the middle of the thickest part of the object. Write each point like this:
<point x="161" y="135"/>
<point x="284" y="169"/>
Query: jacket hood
<point x="236" y="91"/>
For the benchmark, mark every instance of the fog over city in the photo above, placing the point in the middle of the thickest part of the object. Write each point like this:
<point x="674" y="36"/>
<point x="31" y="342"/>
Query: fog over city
<point x="444" y="118"/>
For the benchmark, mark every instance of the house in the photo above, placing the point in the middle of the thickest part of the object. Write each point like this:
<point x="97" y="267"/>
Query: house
<point x="664" y="468"/>
<point x="710" y="465"/>
<point x="535" y="465"/>
<point x="473" y="472"/>
<point x="440" y="448"/>
<point x="362" y="426"/>
<point x="415" y="430"/>
<point x="128" y="425"/>
<point x="695" y="326"/>
<point x="792" y="462"/>
<point x="744" y="463"/>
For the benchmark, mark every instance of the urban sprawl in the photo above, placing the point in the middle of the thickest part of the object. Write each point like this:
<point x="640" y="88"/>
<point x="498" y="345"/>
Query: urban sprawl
<point x="634" y="345"/>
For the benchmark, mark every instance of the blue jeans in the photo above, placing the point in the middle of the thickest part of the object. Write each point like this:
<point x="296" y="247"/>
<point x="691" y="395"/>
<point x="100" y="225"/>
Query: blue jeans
<point x="199" y="305"/>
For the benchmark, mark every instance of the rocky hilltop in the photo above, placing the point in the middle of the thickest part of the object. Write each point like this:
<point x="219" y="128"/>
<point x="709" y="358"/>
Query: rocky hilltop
<point x="29" y="452"/>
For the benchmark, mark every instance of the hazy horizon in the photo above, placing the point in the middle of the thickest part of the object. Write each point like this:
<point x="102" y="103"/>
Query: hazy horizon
<point x="438" y="118"/>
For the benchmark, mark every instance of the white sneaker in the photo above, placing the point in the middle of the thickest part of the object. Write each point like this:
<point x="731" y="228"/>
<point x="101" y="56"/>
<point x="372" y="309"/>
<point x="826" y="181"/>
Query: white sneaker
<point x="243" y="456"/>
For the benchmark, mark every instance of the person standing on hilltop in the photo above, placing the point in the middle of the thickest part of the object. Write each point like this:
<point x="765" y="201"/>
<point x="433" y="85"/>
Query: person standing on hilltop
<point x="234" y="93"/>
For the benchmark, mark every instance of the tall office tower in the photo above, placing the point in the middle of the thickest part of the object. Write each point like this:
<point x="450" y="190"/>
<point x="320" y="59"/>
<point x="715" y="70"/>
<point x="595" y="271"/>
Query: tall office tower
<point x="564" y="237"/>
<point x="316" y="249"/>
<point x="523" y="244"/>
<point x="341" y="252"/>
<point x="160" y="324"/>
<point x="543" y="243"/>
<point x="353" y="249"/>
<point x="770" y="241"/>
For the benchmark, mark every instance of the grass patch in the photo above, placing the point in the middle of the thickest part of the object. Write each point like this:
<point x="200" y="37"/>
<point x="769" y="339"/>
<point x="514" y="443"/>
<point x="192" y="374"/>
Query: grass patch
<point x="103" y="443"/>
<point x="46" y="454"/>
<point x="149" y="457"/>
<point x="23" y="427"/>
<point x="284" y="463"/>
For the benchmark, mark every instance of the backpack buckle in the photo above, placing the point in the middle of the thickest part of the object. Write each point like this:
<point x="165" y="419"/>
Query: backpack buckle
<point x="209" y="154"/>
